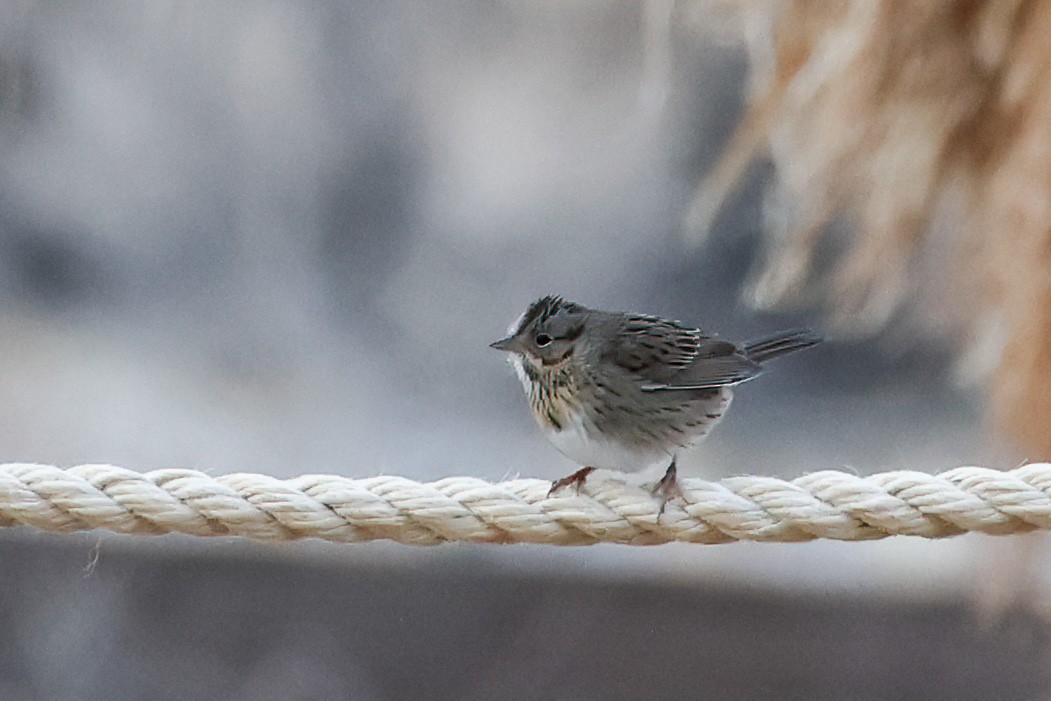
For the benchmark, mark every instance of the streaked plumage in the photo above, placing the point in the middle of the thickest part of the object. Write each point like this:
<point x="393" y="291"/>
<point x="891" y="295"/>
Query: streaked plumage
<point x="624" y="391"/>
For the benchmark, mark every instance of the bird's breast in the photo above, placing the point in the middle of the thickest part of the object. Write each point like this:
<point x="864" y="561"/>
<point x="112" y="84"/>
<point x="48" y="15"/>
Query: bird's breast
<point x="555" y="405"/>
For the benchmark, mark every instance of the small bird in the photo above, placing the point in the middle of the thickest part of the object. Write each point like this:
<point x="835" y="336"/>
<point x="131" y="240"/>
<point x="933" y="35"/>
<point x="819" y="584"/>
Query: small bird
<point x="623" y="391"/>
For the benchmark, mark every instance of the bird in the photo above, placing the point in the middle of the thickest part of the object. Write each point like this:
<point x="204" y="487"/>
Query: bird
<point x="625" y="391"/>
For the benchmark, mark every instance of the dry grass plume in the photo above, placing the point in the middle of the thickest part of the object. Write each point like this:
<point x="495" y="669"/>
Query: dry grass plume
<point x="926" y="126"/>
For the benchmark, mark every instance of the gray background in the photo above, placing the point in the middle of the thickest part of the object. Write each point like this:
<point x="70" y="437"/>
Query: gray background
<point x="278" y="237"/>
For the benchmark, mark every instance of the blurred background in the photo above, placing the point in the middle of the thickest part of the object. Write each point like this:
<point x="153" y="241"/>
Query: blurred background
<point x="278" y="237"/>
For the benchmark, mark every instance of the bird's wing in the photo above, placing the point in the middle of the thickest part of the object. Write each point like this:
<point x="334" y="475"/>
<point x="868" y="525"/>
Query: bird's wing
<point x="668" y="355"/>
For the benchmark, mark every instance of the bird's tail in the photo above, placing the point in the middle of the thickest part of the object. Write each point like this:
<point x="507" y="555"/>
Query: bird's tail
<point x="780" y="344"/>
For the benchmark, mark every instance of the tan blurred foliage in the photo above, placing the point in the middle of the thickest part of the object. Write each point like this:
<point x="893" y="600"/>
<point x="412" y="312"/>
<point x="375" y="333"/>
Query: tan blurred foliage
<point x="926" y="125"/>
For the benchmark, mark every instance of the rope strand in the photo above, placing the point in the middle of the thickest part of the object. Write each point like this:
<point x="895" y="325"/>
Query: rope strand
<point x="828" y="504"/>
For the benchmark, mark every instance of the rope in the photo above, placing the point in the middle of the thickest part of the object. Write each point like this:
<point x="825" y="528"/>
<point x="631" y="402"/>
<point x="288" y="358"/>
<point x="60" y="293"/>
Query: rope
<point x="828" y="504"/>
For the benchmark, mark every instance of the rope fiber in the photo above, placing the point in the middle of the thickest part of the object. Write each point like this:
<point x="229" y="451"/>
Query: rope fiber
<point x="828" y="504"/>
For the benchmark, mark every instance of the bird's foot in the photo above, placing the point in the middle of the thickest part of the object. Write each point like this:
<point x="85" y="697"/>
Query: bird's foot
<point x="577" y="479"/>
<point x="668" y="487"/>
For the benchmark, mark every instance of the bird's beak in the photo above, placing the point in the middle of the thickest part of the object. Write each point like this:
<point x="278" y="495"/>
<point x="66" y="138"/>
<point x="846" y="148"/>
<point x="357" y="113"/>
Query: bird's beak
<point x="509" y="344"/>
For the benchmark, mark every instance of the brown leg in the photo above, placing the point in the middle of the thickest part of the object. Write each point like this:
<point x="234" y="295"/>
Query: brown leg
<point x="577" y="478"/>
<point x="668" y="487"/>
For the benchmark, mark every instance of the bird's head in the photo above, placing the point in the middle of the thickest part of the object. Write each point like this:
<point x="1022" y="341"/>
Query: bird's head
<point x="547" y="333"/>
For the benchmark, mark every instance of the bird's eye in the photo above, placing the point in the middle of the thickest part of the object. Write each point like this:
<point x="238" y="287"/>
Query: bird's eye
<point x="542" y="339"/>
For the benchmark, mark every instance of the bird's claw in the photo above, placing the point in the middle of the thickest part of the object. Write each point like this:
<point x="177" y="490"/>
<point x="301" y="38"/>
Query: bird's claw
<point x="668" y="488"/>
<point x="577" y="479"/>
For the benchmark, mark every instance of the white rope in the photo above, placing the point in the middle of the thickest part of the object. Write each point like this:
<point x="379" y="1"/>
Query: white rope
<point x="834" y="505"/>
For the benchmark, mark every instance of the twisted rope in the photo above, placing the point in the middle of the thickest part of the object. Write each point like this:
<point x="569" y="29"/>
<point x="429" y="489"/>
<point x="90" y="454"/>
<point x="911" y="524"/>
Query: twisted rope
<point x="828" y="504"/>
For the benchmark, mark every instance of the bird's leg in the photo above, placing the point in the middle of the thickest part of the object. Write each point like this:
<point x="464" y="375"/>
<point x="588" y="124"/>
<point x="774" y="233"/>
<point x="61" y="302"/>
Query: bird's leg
<point x="577" y="478"/>
<point x="668" y="487"/>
